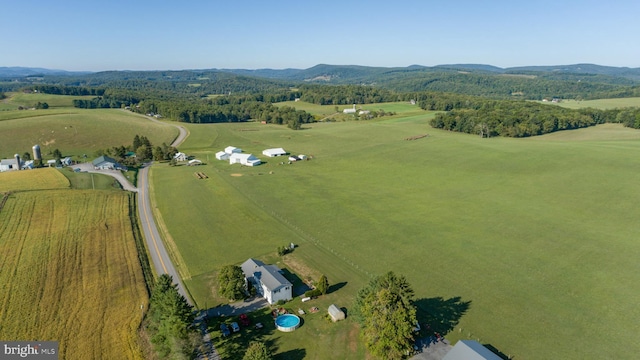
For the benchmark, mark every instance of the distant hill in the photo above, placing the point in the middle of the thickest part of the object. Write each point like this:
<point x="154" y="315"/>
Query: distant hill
<point x="18" y="71"/>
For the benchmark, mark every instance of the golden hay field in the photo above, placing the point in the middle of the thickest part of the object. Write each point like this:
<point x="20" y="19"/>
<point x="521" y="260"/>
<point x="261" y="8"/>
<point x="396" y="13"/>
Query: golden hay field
<point x="70" y="272"/>
<point x="37" y="179"/>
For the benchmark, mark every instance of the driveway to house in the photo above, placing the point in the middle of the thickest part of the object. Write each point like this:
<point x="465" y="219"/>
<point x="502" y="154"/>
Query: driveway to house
<point x="238" y="307"/>
<point x="117" y="174"/>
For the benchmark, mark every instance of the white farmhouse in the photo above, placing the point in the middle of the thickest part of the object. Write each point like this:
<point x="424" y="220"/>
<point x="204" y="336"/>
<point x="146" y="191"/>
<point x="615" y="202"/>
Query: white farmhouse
<point x="244" y="159"/>
<point x="180" y="156"/>
<point x="274" y="152"/>
<point x="267" y="280"/>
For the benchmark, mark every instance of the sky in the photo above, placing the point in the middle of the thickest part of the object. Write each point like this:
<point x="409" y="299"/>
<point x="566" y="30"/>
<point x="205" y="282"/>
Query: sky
<point x="80" y="35"/>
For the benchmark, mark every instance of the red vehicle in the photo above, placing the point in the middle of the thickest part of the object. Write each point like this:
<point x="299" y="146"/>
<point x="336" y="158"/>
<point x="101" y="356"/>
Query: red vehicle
<point x="244" y="320"/>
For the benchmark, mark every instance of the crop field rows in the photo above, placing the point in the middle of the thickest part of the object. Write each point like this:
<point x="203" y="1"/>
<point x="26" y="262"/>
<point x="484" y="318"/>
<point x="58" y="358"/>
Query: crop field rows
<point x="70" y="273"/>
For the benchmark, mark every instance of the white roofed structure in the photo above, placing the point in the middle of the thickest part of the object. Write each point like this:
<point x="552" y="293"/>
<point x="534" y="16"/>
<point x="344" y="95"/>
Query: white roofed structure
<point x="244" y="159"/>
<point x="274" y="152"/>
<point x="232" y="150"/>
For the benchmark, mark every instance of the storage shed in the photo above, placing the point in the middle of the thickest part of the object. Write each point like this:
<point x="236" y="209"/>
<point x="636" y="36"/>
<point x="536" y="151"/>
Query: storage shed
<point x="335" y="313"/>
<point x="221" y="155"/>
<point x="274" y="152"/>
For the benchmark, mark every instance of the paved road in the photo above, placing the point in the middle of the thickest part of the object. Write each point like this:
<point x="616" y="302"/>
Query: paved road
<point x="159" y="255"/>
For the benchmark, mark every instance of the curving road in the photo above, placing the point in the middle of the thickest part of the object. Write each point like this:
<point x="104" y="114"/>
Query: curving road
<point x="158" y="252"/>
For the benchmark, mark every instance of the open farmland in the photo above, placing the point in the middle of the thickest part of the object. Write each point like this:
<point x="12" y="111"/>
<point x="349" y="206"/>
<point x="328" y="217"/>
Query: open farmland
<point x="601" y="103"/>
<point x="37" y="179"/>
<point x="76" y="131"/>
<point x="538" y="235"/>
<point x="70" y="272"/>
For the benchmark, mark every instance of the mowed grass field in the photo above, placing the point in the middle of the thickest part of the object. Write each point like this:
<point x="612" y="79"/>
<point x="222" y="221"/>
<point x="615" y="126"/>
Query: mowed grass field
<point x="76" y="131"/>
<point x="70" y="270"/>
<point x="538" y="234"/>
<point x="601" y="103"/>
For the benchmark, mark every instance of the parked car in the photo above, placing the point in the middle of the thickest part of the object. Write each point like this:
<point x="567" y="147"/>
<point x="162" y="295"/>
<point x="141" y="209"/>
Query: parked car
<point x="235" y="327"/>
<point x="224" y="329"/>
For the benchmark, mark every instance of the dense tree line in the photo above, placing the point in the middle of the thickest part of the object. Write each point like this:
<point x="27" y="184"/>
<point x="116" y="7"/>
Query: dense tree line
<point x="346" y="94"/>
<point x="2" y="96"/>
<point x="523" y="118"/>
<point x="170" y="321"/>
<point x="142" y="149"/>
<point x="67" y="90"/>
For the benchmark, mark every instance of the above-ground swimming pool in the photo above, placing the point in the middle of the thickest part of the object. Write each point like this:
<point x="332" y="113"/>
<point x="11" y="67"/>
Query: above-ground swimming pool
<point x="287" y="322"/>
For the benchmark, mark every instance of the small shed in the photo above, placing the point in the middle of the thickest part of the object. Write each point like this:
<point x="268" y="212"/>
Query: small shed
<point x="194" y="162"/>
<point x="335" y="313"/>
<point x="293" y="158"/>
<point x="274" y="152"/>
<point x="302" y="157"/>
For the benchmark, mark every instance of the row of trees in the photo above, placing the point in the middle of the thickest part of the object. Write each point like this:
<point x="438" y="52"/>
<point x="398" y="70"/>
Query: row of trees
<point x="170" y="321"/>
<point x="142" y="149"/>
<point x="521" y="118"/>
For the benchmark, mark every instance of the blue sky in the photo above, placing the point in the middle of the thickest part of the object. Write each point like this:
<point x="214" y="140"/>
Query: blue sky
<point x="156" y="35"/>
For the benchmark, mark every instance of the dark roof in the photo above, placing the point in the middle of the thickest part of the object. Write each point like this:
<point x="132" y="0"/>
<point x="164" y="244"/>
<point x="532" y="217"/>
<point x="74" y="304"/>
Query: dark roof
<point x="470" y="350"/>
<point x="103" y="159"/>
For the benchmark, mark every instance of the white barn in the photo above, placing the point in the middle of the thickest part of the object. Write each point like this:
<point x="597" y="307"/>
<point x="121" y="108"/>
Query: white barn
<point x="244" y="159"/>
<point x="232" y="150"/>
<point x="350" y="111"/>
<point x="8" y="165"/>
<point x="106" y="163"/>
<point x="274" y="152"/>
<point x="268" y="281"/>
<point x="221" y="155"/>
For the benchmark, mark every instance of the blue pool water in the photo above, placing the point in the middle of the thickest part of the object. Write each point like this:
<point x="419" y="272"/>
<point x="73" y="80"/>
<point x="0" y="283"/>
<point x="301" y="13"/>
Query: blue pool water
<point x="287" y="322"/>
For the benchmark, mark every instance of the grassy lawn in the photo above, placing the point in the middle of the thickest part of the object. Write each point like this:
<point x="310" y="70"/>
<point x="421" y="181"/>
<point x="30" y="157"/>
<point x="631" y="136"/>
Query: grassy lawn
<point x="537" y="236"/>
<point x="30" y="99"/>
<point x="72" y="275"/>
<point x="75" y="131"/>
<point x="601" y="103"/>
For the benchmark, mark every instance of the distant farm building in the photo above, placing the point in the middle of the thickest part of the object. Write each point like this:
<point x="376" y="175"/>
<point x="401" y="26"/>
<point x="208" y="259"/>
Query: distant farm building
<point x="244" y="159"/>
<point x="107" y="163"/>
<point x="28" y="165"/>
<point x="293" y="158"/>
<point x="66" y="161"/>
<point x="221" y="155"/>
<point x="470" y="350"/>
<point x="232" y="150"/>
<point x="302" y="157"/>
<point x="194" y="162"/>
<point x="350" y="111"/>
<point x="10" y="164"/>
<point x="335" y="313"/>
<point x="180" y="156"/>
<point x="36" y="152"/>
<point x="51" y="163"/>
<point x="364" y="112"/>
<point x="267" y="280"/>
<point x="274" y="152"/>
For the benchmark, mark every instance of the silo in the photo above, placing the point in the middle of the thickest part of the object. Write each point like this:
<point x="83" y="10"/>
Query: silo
<point x="17" y="157"/>
<point x="36" y="152"/>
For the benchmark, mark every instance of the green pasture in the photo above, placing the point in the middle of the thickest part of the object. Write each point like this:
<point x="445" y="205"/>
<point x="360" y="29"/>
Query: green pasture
<point x="538" y="236"/>
<point x="29" y="99"/>
<point x="601" y="103"/>
<point x="76" y="131"/>
<point x="326" y="110"/>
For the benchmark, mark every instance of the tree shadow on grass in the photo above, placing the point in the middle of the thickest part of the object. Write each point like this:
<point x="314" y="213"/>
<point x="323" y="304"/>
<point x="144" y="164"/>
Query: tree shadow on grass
<point x="336" y="287"/>
<point x="295" y="354"/>
<point x="439" y="315"/>
<point x="494" y="350"/>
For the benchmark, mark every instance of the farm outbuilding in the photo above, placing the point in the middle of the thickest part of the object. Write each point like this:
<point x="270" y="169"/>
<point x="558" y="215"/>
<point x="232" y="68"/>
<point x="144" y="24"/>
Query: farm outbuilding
<point x="106" y="163"/>
<point x="8" y="165"/>
<point x="221" y="155"/>
<point x="244" y="159"/>
<point x="335" y="313"/>
<point x="274" y="152"/>
<point x="302" y="157"/>
<point x="293" y="158"/>
<point x="194" y="162"/>
<point x="470" y="350"/>
<point x="232" y="150"/>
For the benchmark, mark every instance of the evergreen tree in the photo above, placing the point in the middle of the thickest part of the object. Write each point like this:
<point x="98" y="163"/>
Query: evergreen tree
<point x="323" y="284"/>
